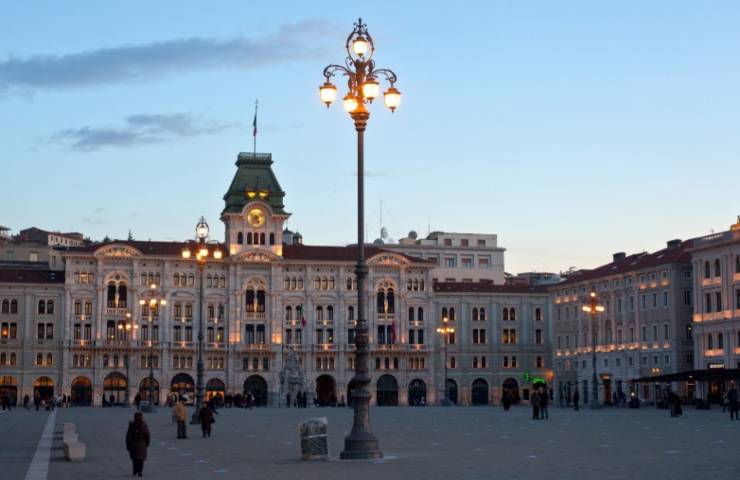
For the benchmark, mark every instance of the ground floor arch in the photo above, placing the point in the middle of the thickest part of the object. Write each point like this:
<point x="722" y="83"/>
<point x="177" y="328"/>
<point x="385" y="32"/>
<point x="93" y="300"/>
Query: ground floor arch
<point x="417" y="393"/>
<point x="115" y="386"/>
<point x="146" y="392"/>
<point x="81" y="392"/>
<point x="326" y="391"/>
<point x="183" y="385"/>
<point x="510" y="387"/>
<point x="43" y="388"/>
<point x="387" y="391"/>
<point x="479" y="392"/>
<point x="215" y="388"/>
<point x="257" y="386"/>
<point x="9" y="389"/>
<point x="452" y="390"/>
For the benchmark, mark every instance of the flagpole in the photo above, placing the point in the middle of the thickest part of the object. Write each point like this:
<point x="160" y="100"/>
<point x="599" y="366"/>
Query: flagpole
<point x="254" y="131"/>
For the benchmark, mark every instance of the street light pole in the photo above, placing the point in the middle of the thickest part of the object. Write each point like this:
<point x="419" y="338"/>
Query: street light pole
<point x="445" y="331"/>
<point x="363" y="87"/>
<point x="593" y="308"/>
<point x="201" y="253"/>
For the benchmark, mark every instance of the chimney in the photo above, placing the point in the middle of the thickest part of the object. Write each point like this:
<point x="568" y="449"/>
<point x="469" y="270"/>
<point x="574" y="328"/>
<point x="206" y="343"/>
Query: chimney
<point x="618" y="256"/>
<point x="673" y="243"/>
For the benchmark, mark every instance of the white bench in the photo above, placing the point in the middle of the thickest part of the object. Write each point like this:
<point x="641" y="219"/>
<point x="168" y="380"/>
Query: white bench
<point x="74" y="451"/>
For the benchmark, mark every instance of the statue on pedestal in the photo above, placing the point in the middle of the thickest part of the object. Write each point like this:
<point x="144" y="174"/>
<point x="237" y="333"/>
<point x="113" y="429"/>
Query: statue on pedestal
<point x="292" y="379"/>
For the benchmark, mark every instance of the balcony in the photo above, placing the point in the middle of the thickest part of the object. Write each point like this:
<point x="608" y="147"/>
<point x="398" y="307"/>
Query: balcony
<point x="255" y="315"/>
<point x="386" y="317"/>
<point x="389" y="347"/>
<point x="326" y="347"/>
<point x="115" y="311"/>
<point x="256" y="347"/>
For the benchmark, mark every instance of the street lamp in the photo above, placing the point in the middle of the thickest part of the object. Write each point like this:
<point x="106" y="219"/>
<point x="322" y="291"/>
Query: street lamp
<point x="153" y="306"/>
<point x="593" y="308"/>
<point x="200" y="251"/>
<point x="445" y="330"/>
<point x="363" y="88"/>
<point x="126" y="328"/>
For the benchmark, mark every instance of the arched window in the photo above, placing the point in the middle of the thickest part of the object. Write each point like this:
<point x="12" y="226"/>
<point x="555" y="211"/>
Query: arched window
<point x="50" y="307"/>
<point x="482" y="314"/>
<point x="14" y="306"/>
<point x="331" y="283"/>
<point x="319" y="313"/>
<point x="381" y="301"/>
<point x="512" y="314"/>
<point x="39" y="359"/>
<point x="707" y="272"/>
<point x="421" y="285"/>
<point x="416" y="285"/>
<point x="539" y="362"/>
<point x="176" y="279"/>
<point x="444" y="313"/>
<point x="409" y="284"/>
<point x="272" y="239"/>
<point x="452" y="314"/>
<point x="317" y="283"/>
<point x="420" y="314"/>
<point x="262" y="238"/>
<point x="288" y="313"/>
<point x="411" y="314"/>
<point x="249" y="238"/>
<point x="505" y="315"/>
<point x="390" y="299"/>
<point x="324" y="283"/>
<point x="6" y="306"/>
<point x="249" y="300"/>
<point x="349" y="283"/>
<point x="330" y="313"/>
<point x="49" y="360"/>
<point x="717" y="269"/>
<point x="42" y="307"/>
<point x="720" y="341"/>
<point x="453" y="362"/>
<point x="350" y="313"/>
<point x="710" y="343"/>
<point x="240" y="238"/>
<point x="122" y="296"/>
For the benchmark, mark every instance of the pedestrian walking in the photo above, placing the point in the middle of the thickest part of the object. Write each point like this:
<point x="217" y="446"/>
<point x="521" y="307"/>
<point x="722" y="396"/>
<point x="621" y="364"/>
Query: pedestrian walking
<point x="576" y="398"/>
<point x="27" y="402"/>
<point x="287" y="400"/>
<point x="733" y="398"/>
<point x="137" y="442"/>
<point x="506" y="401"/>
<point x="673" y="403"/>
<point x="535" y="402"/>
<point x="544" y="415"/>
<point x="206" y="420"/>
<point x="181" y="415"/>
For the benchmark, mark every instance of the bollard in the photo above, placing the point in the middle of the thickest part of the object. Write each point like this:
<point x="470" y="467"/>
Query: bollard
<point x="314" y="439"/>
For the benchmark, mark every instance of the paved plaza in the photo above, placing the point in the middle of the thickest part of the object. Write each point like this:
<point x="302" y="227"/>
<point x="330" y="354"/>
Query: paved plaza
<point x="430" y="442"/>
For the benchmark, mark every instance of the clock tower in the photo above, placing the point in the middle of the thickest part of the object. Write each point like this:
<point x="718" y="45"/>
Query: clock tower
<point x="254" y="213"/>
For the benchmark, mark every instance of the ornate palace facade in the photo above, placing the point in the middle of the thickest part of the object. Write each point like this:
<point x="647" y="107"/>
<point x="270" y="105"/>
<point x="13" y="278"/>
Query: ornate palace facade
<point x="123" y="309"/>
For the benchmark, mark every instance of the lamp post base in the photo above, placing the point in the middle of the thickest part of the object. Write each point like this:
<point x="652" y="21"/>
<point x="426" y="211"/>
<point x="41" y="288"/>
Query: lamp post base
<point x="364" y="447"/>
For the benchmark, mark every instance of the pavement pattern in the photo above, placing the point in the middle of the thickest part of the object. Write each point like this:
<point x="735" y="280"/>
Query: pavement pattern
<point x="424" y="442"/>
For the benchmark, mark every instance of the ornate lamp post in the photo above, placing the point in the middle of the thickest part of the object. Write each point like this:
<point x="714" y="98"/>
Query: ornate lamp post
<point x="445" y="330"/>
<point x="593" y="308"/>
<point x="363" y="88"/>
<point x="200" y="250"/>
<point x="153" y="306"/>
<point x="126" y="328"/>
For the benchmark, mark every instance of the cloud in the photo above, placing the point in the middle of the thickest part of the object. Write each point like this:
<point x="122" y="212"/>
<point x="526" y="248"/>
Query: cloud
<point x="140" y="63"/>
<point x="139" y="129"/>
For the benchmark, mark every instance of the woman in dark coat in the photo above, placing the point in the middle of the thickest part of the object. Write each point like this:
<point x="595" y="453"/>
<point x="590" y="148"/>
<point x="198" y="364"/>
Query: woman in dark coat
<point x="137" y="442"/>
<point x="206" y="419"/>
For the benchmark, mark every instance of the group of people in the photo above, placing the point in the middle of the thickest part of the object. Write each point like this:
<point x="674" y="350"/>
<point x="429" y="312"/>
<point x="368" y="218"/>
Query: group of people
<point x="539" y="401"/>
<point x="8" y="402"/>
<point x="138" y="437"/>
<point x="299" y="401"/>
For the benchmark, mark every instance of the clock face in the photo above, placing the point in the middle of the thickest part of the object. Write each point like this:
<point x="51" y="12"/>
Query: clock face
<point x="256" y="217"/>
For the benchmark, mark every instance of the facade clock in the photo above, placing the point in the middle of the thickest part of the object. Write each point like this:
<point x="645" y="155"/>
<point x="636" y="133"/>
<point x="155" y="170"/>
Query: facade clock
<point x="256" y="217"/>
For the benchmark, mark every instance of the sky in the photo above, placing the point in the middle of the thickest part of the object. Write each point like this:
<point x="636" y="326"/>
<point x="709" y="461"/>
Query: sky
<point x="571" y="129"/>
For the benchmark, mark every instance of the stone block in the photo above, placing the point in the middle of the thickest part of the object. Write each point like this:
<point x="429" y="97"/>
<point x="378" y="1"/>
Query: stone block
<point x="314" y="439"/>
<point x="74" y="451"/>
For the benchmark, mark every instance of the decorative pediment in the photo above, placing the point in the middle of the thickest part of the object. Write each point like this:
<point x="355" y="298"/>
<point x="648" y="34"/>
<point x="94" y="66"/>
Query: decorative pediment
<point x="119" y="251"/>
<point x="388" y="260"/>
<point x="260" y="256"/>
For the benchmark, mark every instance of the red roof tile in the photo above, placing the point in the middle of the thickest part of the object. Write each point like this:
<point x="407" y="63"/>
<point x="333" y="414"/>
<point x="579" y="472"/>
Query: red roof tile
<point x="479" y="287"/>
<point x="145" y="247"/>
<point x="22" y="275"/>
<point x="634" y="262"/>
